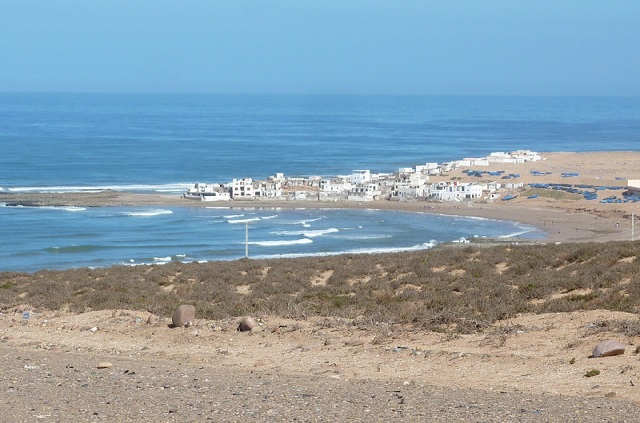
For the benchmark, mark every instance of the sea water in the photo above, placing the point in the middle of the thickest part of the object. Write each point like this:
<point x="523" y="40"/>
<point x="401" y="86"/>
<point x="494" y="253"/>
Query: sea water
<point x="162" y="143"/>
<point x="65" y="237"/>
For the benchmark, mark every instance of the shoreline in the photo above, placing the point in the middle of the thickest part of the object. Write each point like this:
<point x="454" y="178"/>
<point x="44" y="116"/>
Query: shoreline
<point x="559" y="222"/>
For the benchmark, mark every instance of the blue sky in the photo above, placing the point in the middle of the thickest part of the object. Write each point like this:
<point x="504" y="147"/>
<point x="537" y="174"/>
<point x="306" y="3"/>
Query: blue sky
<point x="490" y="47"/>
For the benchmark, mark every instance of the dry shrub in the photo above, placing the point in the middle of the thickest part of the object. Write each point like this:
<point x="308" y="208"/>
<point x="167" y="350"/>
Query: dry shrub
<point x="468" y="302"/>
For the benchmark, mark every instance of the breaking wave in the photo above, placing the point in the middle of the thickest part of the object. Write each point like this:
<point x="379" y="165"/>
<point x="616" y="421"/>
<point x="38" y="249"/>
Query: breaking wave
<point x="148" y="213"/>
<point x="281" y="243"/>
<point x="418" y="247"/>
<point x="177" y="187"/>
<point x="308" y="234"/>
<point x="515" y="234"/>
<point x="63" y="208"/>
<point x="252" y="219"/>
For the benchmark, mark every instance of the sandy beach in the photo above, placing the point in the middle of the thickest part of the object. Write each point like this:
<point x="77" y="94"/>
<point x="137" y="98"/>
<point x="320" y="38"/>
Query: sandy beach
<point x="563" y="219"/>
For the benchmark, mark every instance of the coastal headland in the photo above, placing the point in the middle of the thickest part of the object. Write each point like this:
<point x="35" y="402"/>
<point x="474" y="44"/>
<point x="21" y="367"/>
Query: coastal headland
<point x="562" y="216"/>
<point x="468" y="332"/>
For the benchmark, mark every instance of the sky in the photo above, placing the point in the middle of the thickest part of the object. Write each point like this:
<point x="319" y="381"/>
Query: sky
<point x="459" y="47"/>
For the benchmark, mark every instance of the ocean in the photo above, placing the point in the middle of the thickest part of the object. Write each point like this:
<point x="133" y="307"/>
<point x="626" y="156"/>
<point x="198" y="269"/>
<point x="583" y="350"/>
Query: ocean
<point x="161" y="143"/>
<point x="66" y="237"/>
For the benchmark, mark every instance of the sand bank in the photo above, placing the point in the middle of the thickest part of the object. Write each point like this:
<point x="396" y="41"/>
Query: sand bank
<point x="563" y="219"/>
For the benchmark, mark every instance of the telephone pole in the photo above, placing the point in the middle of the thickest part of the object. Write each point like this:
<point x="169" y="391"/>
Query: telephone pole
<point x="246" y="240"/>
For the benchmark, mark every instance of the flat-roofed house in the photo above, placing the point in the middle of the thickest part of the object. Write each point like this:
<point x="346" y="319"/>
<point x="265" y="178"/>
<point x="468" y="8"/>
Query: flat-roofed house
<point x="242" y="188"/>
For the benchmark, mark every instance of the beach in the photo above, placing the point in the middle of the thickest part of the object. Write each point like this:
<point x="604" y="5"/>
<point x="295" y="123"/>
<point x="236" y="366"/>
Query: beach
<point x="562" y="218"/>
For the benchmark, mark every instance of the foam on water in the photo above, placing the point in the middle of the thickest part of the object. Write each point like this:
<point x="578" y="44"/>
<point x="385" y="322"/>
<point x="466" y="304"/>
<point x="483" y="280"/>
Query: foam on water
<point x="281" y="243"/>
<point x="231" y="216"/>
<point x="148" y="213"/>
<point x="161" y="259"/>
<point x="417" y="247"/>
<point x="252" y="219"/>
<point x="515" y="234"/>
<point x="362" y="237"/>
<point x="304" y="222"/>
<point x="308" y="234"/>
<point x="177" y="187"/>
<point x="63" y="208"/>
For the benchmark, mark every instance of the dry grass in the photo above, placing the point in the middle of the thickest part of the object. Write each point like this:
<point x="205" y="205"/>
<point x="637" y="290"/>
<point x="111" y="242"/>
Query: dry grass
<point x="551" y="193"/>
<point x="407" y="288"/>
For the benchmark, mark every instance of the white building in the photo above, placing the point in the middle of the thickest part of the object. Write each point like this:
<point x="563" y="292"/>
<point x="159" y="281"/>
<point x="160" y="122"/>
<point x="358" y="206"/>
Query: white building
<point x="268" y="189"/>
<point x="360" y="176"/>
<point x="406" y="191"/>
<point x="278" y="177"/>
<point x="207" y="192"/>
<point x="365" y="192"/>
<point x="335" y="185"/>
<point x="242" y="188"/>
<point x="406" y="171"/>
<point x="633" y="184"/>
<point x="477" y="161"/>
<point x="447" y="191"/>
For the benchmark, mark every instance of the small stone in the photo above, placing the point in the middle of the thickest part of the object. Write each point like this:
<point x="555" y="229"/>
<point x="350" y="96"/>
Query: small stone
<point x="610" y="394"/>
<point x="183" y="315"/>
<point x="246" y="324"/>
<point x="93" y="329"/>
<point x="607" y="349"/>
<point x="104" y="365"/>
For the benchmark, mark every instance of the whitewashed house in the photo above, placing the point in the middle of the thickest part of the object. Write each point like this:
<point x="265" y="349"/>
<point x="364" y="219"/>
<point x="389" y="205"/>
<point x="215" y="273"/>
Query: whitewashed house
<point x="335" y="185"/>
<point x="477" y="161"/>
<point x="278" y="177"/>
<point x="207" y="192"/>
<point x="242" y="189"/>
<point x="447" y="191"/>
<point x="365" y="192"/>
<point x="268" y="189"/>
<point x="360" y="176"/>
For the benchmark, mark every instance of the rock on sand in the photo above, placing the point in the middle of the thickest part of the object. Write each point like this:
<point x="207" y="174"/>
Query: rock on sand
<point x="246" y="324"/>
<point x="183" y="316"/>
<point x="104" y="365"/>
<point x="608" y="348"/>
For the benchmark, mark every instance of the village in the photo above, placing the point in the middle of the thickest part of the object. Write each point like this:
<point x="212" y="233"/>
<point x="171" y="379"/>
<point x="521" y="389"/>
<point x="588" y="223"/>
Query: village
<point x="429" y="181"/>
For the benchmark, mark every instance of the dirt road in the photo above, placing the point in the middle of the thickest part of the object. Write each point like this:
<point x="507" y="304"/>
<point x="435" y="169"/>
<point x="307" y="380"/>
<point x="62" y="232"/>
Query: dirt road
<point x="64" y="387"/>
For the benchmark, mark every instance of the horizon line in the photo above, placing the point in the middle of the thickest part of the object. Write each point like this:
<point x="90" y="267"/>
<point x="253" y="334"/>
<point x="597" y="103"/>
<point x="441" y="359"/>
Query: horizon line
<point x="310" y="94"/>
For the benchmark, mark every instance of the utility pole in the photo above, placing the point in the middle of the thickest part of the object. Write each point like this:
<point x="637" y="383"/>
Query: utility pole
<point x="246" y="240"/>
<point x="633" y="226"/>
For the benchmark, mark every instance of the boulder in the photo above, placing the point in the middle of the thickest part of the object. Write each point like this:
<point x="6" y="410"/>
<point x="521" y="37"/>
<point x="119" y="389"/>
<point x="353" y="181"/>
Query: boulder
<point x="104" y="365"/>
<point x="246" y="324"/>
<point x="183" y="316"/>
<point x="608" y="348"/>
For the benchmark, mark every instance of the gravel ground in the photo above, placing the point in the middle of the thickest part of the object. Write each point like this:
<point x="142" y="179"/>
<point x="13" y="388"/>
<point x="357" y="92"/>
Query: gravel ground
<point x="47" y="386"/>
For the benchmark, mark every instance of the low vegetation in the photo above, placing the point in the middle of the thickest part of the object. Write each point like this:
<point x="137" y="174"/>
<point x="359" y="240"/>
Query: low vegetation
<point x="456" y="289"/>
<point x="551" y="193"/>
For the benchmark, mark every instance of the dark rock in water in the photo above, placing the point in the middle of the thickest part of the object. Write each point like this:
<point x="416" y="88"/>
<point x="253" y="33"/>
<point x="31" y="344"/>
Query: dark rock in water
<point x="183" y="316"/>
<point x="246" y="324"/>
<point x="608" y="348"/>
